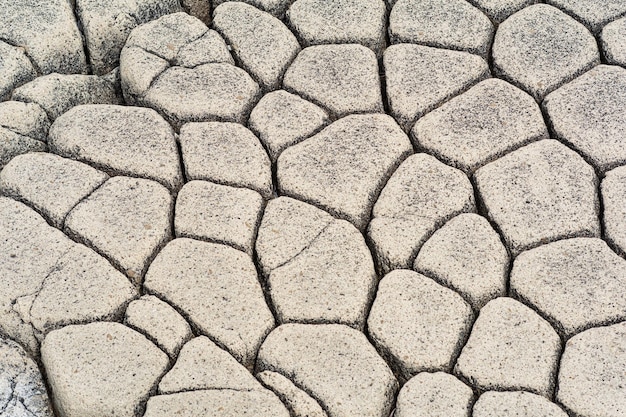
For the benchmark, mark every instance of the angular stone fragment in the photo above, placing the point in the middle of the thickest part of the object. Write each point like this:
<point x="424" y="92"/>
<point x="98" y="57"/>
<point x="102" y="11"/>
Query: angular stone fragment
<point x="106" y="26"/>
<point x="49" y="281"/>
<point x="341" y="21"/>
<point x="218" y="213"/>
<point x="591" y="376"/>
<point x="486" y="122"/>
<point x="225" y="153"/>
<point x="50" y="184"/>
<point x="159" y="322"/>
<point x="15" y="69"/>
<point x="261" y="43"/>
<point x="451" y="24"/>
<point x="418" y="324"/>
<point x="47" y="31"/>
<point x="218" y="290"/>
<point x="13" y="144"/>
<point x="202" y="365"/>
<point x="419" y="78"/>
<point x="515" y="404"/>
<point x="575" y="283"/>
<point x="121" y="140"/>
<point x="22" y="390"/>
<point x="57" y="93"/>
<point x="341" y="78"/>
<point x="333" y="363"/>
<point x="344" y="167"/>
<point x="318" y="269"/>
<point x="27" y="119"/>
<point x="226" y="403"/>
<point x="466" y="254"/>
<point x="540" y="48"/>
<point x="613" y="42"/>
<point x="510" y="348"/>
<point x="434" y="395"/>
<point x="593" y="13"/>
<point x="499" y="10"/>
<point x="282" y="119"/>
<point x="127" y="220"/>
<point x="420" y="196"/>
<point x="103" y="369"/>
<point x="274" y="7"/>
<point x="299" y="403"/>
<point x="540" y="193"/>
<point x="588" y="114"/>
<point x="613" y="196"/>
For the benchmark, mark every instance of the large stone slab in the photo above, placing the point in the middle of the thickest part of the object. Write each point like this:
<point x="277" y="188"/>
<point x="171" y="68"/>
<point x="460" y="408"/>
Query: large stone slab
<point x="101" y="369"/>
<point x="218" y="290"/>
<point x="341" y="78"/>
<point x="575" y="283"/>
<point x="344" y="167"/>
<point x="540" y="193"/>
<point x="419" y="78"/>
<point x="541" y="48"/>
<point x="335" y="364"/>
<point x="587" y="114"/>
<point x="421" y="195"/>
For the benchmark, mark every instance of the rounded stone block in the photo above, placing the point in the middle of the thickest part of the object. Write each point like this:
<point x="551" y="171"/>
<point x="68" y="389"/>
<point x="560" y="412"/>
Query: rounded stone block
<point x="434" y="395"/>
<point x="613" y="42"/>
<point x="515" y="404"/>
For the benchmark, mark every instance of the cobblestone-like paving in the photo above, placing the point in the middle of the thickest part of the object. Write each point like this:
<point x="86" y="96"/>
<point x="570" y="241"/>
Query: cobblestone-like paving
<point x="313" y="208"/>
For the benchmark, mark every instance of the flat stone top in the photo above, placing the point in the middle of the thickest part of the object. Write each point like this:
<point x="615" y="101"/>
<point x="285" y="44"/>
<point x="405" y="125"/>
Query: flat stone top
<point x="313" y="208"/>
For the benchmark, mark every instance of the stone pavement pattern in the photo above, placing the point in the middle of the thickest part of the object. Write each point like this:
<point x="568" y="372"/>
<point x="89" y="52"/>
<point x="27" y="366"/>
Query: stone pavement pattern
<point x="309" y="208"/>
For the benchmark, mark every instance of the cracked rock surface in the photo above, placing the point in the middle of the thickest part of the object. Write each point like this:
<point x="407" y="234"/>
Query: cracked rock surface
<point x="312" y="208"/>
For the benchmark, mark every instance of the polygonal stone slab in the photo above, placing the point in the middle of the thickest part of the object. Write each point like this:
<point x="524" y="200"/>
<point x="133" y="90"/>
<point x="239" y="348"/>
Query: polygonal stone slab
<point x="57" y="93"/>
<point x="15" y="69"/>
<point x="613" y="197"/>
<point x="593" y="13"/>
<point x="218" y="290"/>
<point x="575" y="283"/>
<point x="103" y="369"/>
<point x="486" y="122"/>
<point x="319" y="269"/>
<point x="421" y="195"/>
<point x="226" y="403"/>
<point x="515" y="404"/>
<point x="48" y="32"/>
<point x="417" y="323"/>
<point x="499" y="10"/>
<point x="419" y="78"/>
<point x="261" y="43"/>
<point x="160" y="322"/>
<point x="27" y="119"/>
<point x="335" y="364"/>
<point x="540" y="193"/>
<point x="106" y="26"/>
<point x="218" y="213"/>
<point x="588" y="114"/>
<point x="341" y="21"/>
<point x="282" y="119"/>
<point x="202" y="365"/>
<point x="225" y="153"/>
<point x="541" y="48"/>
<point x="510" y="348"/>
<point x="591" y="376"/>
<point x="49" y="281"/>
<point x="343" y="167"/>
<point x="434" y="395"/>
<point x="127" y="220"/>
<point x="451" y="24"/>
<point x="613" y="43"/>
<point x="299" y="403"/>
<point x="341" y="78"/>
<point x="50" y="184"/>
<point x="466" y="254"/>
<point x="120" y="140"/>
<point x="22" y="390"/>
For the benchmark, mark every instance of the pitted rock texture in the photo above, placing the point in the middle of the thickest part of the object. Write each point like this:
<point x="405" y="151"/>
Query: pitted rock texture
<point x="312" y="208"/>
